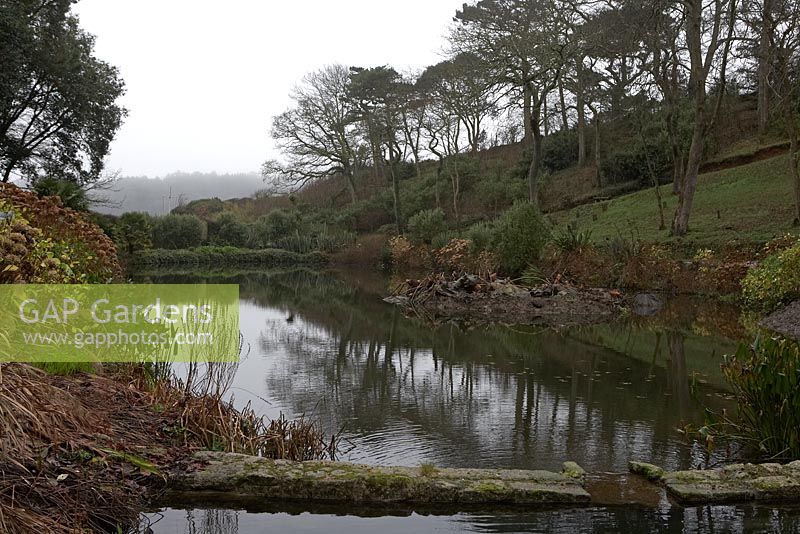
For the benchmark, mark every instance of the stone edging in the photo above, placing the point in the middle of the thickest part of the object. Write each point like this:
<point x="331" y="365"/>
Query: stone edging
<point x="250" y="477"/>
<point x="737" y="483"/>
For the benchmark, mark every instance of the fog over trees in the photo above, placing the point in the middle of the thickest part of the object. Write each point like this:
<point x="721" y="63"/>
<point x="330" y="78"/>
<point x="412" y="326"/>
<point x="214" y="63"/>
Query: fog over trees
<point x="158" y="196"/>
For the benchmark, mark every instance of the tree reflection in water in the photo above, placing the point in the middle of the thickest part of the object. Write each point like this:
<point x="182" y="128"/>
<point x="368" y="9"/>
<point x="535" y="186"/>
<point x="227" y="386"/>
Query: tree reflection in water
<point x="408" y="393"/>
<point x="500" y="396"/>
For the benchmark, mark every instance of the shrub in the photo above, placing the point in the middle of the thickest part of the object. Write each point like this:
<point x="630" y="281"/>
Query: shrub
<point x="500" y="192"/>
<point x="426" y="225"/>
<point x="647" y="267"/>
<point x="765" y="379"/>
<point x="104" y="221"/>
<point x="47" y="243"/>
<point x="520" y="236"/>
<point x="572" y="239"/>
<point x="630" y="164"/>
<point x="178" y="231"/>
<point x="404" y="255"/>
<point x="457" y="256"/>
<point x="205" y="208"/>
<point x="560" y="150"/>
<point x="454" y="256"/>
<point x="279" y="224"/>
<point x="481" y="236"/>
<point x="442" y="239"/>
<point x="774" y="282"/>
<point x="133" y="232"/>
<point x="71" y="194"/>
<point x="233" y="234"/>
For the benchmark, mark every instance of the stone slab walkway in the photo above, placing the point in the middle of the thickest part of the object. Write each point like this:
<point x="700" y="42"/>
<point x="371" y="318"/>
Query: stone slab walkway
<point x="738" y="483"/>
<point x="250" y="477"/>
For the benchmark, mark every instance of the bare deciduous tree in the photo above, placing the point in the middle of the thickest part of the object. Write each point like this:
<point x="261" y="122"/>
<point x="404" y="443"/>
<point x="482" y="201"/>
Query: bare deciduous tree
<point x="317" y="135"/>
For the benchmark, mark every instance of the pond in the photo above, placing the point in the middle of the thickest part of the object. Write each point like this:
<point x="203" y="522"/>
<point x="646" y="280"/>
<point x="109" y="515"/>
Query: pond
<point x="402" y="392"/>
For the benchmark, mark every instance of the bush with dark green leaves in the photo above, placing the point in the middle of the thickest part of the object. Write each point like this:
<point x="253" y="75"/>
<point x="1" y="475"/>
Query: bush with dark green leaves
<point x="228" y="230"/>
<point x="499" y="192"/>
<point x="277" y="225"/>
<point x="560" y="150"/>
<point x="71" y="194"/>
<point x="132" y="232"/>
<point x="280" y="223"/>
<point x="481" y="236"/>
<point x="233" y="234"/>
<point x="634" y="162"/>
<point x="426" y="225"/>
<point x="174" y="232"/>
<point x="520" y="235"/>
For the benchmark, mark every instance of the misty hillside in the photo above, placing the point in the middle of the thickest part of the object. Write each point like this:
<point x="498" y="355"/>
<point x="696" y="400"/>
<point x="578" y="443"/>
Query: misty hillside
<point x="159" y="195"/>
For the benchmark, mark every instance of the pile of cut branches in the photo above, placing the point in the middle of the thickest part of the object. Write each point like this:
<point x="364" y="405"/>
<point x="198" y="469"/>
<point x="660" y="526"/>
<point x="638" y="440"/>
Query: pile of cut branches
<point x="474" y="299"/>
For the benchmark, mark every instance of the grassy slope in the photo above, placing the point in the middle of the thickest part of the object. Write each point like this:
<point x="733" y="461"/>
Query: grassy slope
<point x="751" y="203"/>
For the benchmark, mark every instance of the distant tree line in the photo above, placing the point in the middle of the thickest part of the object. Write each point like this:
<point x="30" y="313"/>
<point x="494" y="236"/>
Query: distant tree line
<point x="528" y="70"/>
<point x="279" y="229"/>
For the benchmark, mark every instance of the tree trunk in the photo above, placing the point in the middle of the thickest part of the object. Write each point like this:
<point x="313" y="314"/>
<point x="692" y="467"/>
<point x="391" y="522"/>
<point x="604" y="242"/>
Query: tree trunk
<point x="438" y="177"/>
<point x="351" y="186"/>
<point x="764" y="67"/>
<point x="536" y="157"/>
<point x="7" y="173"/>
<point x="675" y="147"/>
<point x="475" y="135"/>
<point x="563" y="102"/>
<point x="677" y="170"/>
<point x="794" y="169"/>
<point x="581" y="127"/>
<point x="527" y="112"/>
<point x="396" y="197"/>
<point x="597" y="174"/>
<point x="455" y="180"/>
<point x="546" y="117"/>
<point x="698" y="77"/>
<point x="581" y="105"/>
<point x="688" y="186"/>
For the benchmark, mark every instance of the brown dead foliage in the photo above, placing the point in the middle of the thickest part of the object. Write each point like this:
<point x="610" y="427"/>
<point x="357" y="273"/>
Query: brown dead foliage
<point x="83" y="453"/>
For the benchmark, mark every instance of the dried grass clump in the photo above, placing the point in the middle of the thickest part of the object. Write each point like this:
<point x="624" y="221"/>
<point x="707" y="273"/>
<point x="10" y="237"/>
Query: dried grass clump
<point x="46" y="485"/>
<point x="77" y="453"/>
<point x="33" y="412"/>
<point x="211" y="421"/>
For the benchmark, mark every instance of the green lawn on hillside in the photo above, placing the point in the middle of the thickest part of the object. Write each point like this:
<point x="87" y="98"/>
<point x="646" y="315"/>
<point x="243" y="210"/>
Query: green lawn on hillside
<point x="751" y="203"/>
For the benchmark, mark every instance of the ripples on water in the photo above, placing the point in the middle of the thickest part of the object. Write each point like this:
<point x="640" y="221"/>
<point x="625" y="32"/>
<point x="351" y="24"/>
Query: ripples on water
<point x="405" y="393"/>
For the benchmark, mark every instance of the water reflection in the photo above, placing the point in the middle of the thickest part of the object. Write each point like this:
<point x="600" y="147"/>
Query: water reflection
<point x="405" y="393"/>
<point x="722" y="519"/>
<point x="512" y="397"/>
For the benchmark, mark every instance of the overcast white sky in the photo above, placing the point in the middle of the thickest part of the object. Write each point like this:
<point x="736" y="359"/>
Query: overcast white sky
<point x="204" y="78"/>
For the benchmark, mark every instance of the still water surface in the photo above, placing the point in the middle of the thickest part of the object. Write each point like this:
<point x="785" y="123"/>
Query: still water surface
<point x="405" y="393"/>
